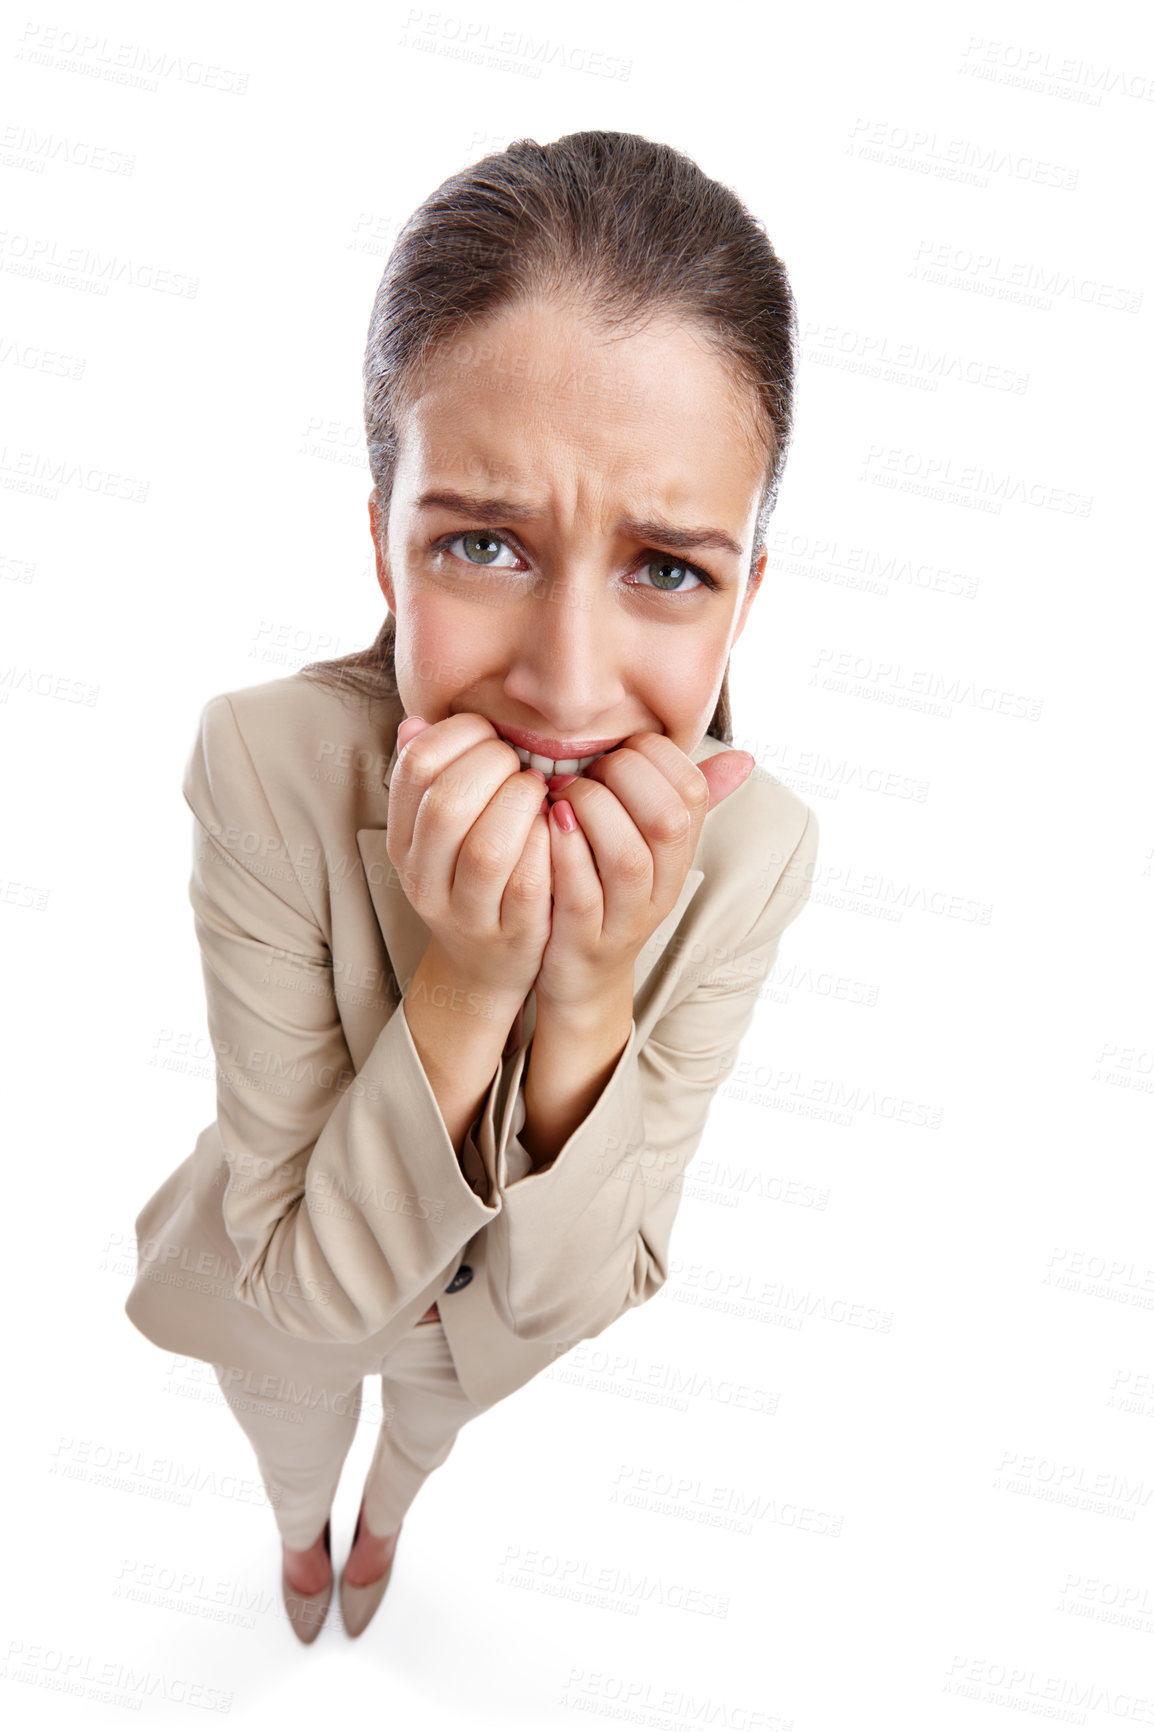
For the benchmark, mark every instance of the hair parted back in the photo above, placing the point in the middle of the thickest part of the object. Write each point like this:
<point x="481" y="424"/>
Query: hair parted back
<point x="624" y="229"/>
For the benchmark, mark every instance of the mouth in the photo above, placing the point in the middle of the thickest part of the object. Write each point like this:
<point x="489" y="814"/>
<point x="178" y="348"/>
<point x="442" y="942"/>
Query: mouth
<point x="570" y="759"/>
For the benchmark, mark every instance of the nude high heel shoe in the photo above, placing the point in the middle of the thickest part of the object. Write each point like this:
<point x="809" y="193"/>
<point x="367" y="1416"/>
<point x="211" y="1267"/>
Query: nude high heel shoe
<point x="306" y="1612"/>
<point x="359" y="1604"/>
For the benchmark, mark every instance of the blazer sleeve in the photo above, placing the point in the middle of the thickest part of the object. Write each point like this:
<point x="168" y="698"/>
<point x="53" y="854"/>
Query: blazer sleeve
<point x="582" y="1241"/>
<point x="345" y="1199"/>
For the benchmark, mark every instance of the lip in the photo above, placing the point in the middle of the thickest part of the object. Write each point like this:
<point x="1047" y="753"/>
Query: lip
<point x="545" y="747"/>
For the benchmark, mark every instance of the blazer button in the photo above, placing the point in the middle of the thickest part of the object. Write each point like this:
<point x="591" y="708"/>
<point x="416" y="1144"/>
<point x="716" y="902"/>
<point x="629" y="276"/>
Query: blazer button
<point x="461" y="1279"/>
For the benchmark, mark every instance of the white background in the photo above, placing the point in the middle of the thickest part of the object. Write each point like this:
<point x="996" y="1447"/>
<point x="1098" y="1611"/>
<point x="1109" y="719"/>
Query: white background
<point x="940" y="1429"/>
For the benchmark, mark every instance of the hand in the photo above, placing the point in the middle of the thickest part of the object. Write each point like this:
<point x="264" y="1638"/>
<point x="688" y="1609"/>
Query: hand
<point x="639" y="812"/>
<point x="468" y="838"/>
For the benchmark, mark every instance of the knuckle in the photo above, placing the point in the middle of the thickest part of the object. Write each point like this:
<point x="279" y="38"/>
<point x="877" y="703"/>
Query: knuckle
<point x="583" y="907"/>
<point x="528" y="882"/>
<point x="483" y="858"/>
<point x="503" y="757"/>
<point x="672" y="824"/>
<point x="694" y="790"/>
<point x="443" y="801"/>
<point x="634" y="864"/>
<point x="521" y="792"/>
<point x="415" y="764"/>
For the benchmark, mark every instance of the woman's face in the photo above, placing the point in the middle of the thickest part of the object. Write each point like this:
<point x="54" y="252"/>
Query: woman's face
<point x="552" y="596"/>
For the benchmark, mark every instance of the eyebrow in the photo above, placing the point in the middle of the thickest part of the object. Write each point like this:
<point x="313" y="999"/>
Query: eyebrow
<point x="498" y="511"/>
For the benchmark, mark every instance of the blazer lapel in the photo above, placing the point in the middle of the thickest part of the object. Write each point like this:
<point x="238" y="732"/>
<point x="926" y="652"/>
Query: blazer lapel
<point x="653" y="949"/>
<point x="405" y="934"/>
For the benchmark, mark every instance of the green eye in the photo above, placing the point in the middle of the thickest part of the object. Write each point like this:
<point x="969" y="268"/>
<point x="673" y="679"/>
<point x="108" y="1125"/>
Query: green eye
<point x="476" y="536"/>
<point x="667" y="573"/>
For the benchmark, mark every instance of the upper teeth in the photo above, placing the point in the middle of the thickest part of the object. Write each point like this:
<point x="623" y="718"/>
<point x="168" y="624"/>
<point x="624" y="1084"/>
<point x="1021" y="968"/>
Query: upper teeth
<point x="554" y="766"/>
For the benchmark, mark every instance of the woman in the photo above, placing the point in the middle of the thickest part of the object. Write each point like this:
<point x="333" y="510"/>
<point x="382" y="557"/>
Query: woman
<point x="484" y="909"/>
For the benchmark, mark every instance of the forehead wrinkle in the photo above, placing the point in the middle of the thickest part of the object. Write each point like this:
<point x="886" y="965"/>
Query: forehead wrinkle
<point x="494" y="512"/>
<point x="575" y="467"/>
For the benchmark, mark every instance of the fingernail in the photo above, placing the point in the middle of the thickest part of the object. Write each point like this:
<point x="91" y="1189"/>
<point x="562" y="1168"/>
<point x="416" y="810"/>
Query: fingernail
<point x="565" y="815"/>
<point x="415" y="725"/>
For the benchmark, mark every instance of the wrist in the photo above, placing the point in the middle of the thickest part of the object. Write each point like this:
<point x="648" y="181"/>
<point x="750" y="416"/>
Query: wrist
<point x="441" y="975"/>
<point x="609" y="1003"/>
<point x="570" y="1062"/>
<point x="458" y="1033"/>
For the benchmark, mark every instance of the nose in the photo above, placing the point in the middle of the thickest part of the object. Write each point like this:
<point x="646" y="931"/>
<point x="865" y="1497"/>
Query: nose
<point x="565" y="664"/>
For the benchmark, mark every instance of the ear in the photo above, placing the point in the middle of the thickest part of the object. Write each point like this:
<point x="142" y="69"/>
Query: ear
<point x="751" y="590"/>
<point x="377" y="528"/>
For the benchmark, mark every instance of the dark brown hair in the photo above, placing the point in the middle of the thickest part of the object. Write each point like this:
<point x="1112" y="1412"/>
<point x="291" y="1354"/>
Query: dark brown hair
<point x="614" y="224"/>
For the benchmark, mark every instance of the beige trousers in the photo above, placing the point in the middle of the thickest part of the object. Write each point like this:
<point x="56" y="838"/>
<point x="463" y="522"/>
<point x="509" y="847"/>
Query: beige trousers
<point x="301" y="1442"/>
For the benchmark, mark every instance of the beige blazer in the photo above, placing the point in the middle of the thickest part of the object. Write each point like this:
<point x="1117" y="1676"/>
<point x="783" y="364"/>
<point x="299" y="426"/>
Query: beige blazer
<point x="325" y="1209"/>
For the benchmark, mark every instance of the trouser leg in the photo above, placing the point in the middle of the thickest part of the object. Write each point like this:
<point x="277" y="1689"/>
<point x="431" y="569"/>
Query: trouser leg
<point x="424" y="1407"/>
<point x="301" y="1440"/>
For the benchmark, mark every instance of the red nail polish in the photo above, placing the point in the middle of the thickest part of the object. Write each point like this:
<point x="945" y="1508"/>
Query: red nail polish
<point x="565" y="816"/>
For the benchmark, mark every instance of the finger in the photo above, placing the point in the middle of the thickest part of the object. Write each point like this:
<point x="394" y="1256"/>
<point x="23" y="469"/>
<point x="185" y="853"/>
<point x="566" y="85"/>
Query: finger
<point x="647" y="840"/>
<point x="683" y="775"/>
<point x="578" y="895"/>
<point x="470" y="786"/>
<point x="527" y="893"/>
<point x="679" y="769"/>
<point x="725" y="772"/>
<point x="622" y="857"/>
<point x="486" y="857"/>
<point x="423" y="757"/>
<point x="409" y="729"/>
